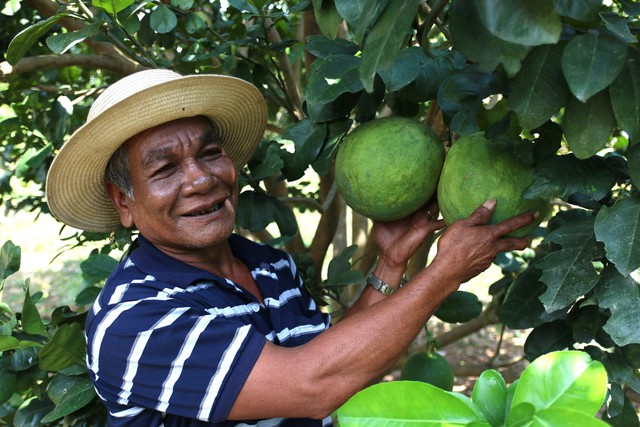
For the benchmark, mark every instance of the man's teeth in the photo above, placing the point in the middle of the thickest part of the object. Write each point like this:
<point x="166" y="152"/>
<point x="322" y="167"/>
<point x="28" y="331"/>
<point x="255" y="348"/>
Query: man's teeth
<point x="206" y="211"/>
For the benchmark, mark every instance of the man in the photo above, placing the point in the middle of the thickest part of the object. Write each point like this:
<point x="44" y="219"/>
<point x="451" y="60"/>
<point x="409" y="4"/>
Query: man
<point x="199" y="326"/>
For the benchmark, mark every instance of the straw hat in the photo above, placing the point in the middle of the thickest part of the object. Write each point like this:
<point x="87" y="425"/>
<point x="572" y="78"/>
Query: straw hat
<point x="75" y="183"/>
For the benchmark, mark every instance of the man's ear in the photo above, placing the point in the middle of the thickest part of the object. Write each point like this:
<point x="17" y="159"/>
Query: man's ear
<point x="121" y="202"/>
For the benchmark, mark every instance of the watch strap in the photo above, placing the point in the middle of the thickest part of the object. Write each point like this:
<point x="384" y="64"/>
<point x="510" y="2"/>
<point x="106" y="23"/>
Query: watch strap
<point x="381" y="286"/>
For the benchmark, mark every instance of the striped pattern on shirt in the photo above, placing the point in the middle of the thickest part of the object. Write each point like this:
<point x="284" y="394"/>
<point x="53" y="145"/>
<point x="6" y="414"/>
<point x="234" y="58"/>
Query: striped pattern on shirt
<point x="171" y="345"/>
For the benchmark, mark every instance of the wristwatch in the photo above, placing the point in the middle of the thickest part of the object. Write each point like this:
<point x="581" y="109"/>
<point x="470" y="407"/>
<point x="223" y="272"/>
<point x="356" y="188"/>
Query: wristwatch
<point x="384" y="288"/>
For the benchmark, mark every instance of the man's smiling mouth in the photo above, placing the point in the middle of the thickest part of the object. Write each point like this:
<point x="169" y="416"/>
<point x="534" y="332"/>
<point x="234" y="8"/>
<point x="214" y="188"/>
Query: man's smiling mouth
<point x="202" y="212"/>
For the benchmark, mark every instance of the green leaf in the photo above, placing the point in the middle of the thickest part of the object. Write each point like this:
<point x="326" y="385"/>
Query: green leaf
<point x="407" y="403"/>
<point x="266" y="161"/>
<point x="244" y="7"/>
<point x="478" y="44"/>
<point x="327" y="17"/>
<point x="9" y="259"/>
<point x="460" y="97"/>
<point x="112" y="7"/>
<point x="522" y="308"/>
<point x="541" y="73"/>
<point x="566" y="380"/>
<point x="183" y="4"/>
<point x="433" y="70"/>
<point x="459" y="307"/>
<point x="329" y="79"/>
<point x="548" y="337"/>
<point x="31" y="412"/>
<point x="31" y="320"/>
<point x="588" y="125"/>
<point x="619" y="26"/>
<point x="322" y="47"/>
<point x="625" y="96"/>
<point x="339" y="272"/>
<point x="21" y="359"/>
<point x="490" y="395"/>
<point x="8" y="342"/>
<point x="308" y="137"/>
<point x="524" y="22"/>
<point x="633" y="159"/>
<point x="561" y="417"/>
<point x="67" y="347"/>
<point x="581" y="10"/>
<point x="163" y="20"/>
<point x="360" y="14"/>
<point x="564" y="176"/>
<point x="26" y="38"/>
<point x="620" y="295"/>
<point x="62" y="42"/>
<point x="386" y="38"/>
<point x="591" y="62"/>
<point x="69" y="393"/>
<point x="284" y="218"/>
<point x="255" y="210"/>
<point x="618" y="228"/>
<point x="97" y="267"/>
<point x="569" y="272"/>
<point x="31" y="159"/>
<point x="404" y="69"/>
<point x="7" y="385"/>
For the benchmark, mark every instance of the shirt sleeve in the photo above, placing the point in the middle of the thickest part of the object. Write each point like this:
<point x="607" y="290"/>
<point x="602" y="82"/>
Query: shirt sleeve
<point x="171" y="358"/>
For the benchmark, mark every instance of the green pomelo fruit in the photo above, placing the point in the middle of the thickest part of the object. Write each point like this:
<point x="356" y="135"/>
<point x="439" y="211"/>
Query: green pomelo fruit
<point x="429" y="368"/>
<point x="476" y="169"/>
<point x="388" y="168"/>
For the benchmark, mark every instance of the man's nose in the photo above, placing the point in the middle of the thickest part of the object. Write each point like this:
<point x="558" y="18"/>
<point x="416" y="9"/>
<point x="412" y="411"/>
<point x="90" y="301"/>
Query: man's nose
<point x="198" y="179"/>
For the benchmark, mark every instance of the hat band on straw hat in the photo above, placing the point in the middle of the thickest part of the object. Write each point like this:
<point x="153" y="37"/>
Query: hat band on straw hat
<point x="75" y="182"/>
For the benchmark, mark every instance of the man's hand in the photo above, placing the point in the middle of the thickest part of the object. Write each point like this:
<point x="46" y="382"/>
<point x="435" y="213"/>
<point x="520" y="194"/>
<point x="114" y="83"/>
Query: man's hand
<point x="468" y="246"/>
<point x="399" y="240"/>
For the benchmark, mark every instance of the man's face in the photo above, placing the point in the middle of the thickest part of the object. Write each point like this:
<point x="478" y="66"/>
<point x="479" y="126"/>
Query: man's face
<point x="185" y="186"/>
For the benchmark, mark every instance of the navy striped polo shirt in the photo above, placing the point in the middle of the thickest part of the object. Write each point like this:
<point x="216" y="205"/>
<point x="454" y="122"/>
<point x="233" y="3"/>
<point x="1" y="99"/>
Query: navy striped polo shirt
<point x="169" y="344"/>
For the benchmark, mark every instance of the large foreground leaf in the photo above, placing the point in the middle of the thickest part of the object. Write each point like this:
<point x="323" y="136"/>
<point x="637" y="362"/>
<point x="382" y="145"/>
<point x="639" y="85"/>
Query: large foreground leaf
<point x="618" y="227"/>
<point x="591" y="62"/>
<point x="620" y="295"/>
<point x="588" y="125"/>
<point x="569" y="272"/>
<point x="524" y="22"/>
<point x="567" y="380"/>
<point x="541" y="73"/>
<point x="408" y="403"/>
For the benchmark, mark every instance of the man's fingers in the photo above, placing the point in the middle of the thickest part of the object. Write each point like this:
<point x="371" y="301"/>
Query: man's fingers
<point x="483" y="213"/>
<point x="507" y="244"/>
<point x="516" y="222"/>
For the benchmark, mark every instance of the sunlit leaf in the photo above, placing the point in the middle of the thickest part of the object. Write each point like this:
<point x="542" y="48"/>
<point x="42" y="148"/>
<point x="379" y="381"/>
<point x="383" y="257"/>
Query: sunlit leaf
<point x="625" y="96"/>
<point x="31" y="320"/>
<point x="478" y="44"/>
<point x="568" y="272"/>
<point x="588" y="125"/>
<point x="26" y="38"/>
<point x="67" y="347"/>
<point x="490" y="395"/>
<point x="541" y="73"/>
<point x="112" y="6"/>
<point x="9" y="259"/>
<point x="567" y="380"/>
<point x="97" y="267"/>
<point x="385" y="39"/>
<point x="620" y="295"/>
<point x="524" y="22"/>
<point x="591" y="62"/>
<point x="618" y="227"/>
<point x="62" y="42"/>
<point x="408" y="403"/>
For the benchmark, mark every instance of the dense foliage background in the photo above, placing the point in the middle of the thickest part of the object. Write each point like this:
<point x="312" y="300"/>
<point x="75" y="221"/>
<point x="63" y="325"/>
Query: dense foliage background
<point x="561" y="77"/>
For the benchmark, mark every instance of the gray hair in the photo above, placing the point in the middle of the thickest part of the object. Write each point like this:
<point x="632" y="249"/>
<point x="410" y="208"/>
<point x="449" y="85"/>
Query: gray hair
<point x="118" y="171"/>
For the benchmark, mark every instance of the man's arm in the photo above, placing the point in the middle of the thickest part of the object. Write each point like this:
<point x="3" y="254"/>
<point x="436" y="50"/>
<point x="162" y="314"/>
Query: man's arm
<point x="315" y="379"/>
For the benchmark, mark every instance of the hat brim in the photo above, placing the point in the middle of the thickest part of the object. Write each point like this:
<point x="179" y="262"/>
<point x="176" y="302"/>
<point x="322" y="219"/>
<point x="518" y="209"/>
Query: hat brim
<point x="75" y="182"/>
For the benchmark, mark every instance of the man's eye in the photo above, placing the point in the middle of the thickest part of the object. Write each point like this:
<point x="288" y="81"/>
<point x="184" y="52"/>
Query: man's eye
<point x="212" y="152"/>
<point x="163" y="170"/>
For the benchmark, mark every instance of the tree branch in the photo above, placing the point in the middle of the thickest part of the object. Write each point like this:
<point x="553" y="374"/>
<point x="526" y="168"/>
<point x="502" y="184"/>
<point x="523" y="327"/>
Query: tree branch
<point x="45" y="62"/>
